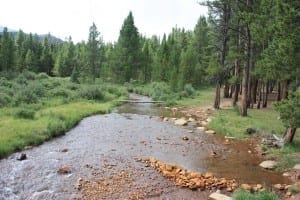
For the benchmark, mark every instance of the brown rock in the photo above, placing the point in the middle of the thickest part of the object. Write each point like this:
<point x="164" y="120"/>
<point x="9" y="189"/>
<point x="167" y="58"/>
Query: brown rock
<point x="181" y="122"/>
<point x="278" y="187"/>
<point x="21" y="157"/>
<point x="64" y="150"/>
<point x="185" y="138"/>
<point x="28" y="147"/>
<point x="246" y="187"/>
<point x="64" y="170"/>
<point x="210" y="132"/>
<point x="201" y="128"/>
<point x="169" y="167"/>
<point x="259" y="186"/>
<point x="208" y="175"/>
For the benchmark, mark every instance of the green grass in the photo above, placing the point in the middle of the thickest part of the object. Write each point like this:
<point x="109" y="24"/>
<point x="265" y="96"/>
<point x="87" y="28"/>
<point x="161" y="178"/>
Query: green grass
<point x="289" y="155"/>
<point x="246" y="195"/>
<point x="203" y="97"/>
<point x="230" y="123"/>
<point x="16" y="133"/>
<point x="57" y="107"/>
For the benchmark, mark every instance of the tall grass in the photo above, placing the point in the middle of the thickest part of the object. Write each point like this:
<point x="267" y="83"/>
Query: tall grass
<point x="246" y="195"/>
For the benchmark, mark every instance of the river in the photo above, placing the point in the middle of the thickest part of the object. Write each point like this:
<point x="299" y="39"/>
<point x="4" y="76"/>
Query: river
<point x="103" y="145"/>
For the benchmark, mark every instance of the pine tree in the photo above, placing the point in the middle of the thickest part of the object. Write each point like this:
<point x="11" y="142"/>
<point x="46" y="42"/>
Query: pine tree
<point x="31" y="61"/>
<point x="94" y="53"/>
<point x="7" y="53"/>
<point x="129" y="50"/>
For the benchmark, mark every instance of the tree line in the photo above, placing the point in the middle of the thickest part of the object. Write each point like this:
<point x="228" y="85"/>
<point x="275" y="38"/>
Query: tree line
<point x="251" y="48"/>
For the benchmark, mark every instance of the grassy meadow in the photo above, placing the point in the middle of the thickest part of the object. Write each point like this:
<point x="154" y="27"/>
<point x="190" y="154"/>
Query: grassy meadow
<point x="35" y="108"/>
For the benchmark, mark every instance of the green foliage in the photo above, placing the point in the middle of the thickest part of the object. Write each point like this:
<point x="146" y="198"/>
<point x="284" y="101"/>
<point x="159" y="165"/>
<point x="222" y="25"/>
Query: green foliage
<point x="290" y="110"/>
<point x="4" y="99"/>
<point x="189" y="89"/>
<point x="92" y="92"/>
<point x="128" y="51"/>
<point x="25" y="113"/>
<point x="246" y="195"/>
<point x="230" y="123"/>
<point x="42" y="75"/>
<point x="48" y="107"/>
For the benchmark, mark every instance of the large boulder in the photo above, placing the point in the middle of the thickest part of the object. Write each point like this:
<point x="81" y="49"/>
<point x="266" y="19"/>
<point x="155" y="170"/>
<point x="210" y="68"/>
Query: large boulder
<point x="268" y="164"/>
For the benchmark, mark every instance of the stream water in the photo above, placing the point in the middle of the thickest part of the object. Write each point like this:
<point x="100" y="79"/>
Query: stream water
<point x="133" y="130"/>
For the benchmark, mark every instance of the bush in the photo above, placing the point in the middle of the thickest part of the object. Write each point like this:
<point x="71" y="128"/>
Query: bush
<point x="5" y="83"/>
<point x="29" y="75"/>
<point x="26" y="96"/>
<point x="42" y="76"/>
<point x="91" y="93"/>
<point x="24" y="113"/>
<point x="21" y="79"/>
<point x="188" y="88"/>
<point x="61" y="92"/>
<point x="4" y="99"/>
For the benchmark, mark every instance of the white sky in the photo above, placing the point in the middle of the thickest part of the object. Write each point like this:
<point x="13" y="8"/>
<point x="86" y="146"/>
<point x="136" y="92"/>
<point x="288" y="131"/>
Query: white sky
<point x="63" y="18"/>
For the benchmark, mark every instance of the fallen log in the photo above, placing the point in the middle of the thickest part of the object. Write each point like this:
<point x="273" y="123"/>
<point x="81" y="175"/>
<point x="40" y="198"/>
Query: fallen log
<point x="137" y="101"/>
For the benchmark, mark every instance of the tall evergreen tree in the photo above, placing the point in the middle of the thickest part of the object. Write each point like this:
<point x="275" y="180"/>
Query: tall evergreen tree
<point x="7" y="54"/>
<point x="94" y="52"/>
<point x="129" y="49"/>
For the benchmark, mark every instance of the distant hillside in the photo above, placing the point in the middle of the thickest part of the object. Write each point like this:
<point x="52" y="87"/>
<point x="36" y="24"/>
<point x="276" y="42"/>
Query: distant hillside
<point x="41" y="36"/>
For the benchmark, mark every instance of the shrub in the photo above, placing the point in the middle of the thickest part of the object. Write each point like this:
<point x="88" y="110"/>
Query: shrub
<point x="4" y="99"/>
<point x="26" y="96"/>
<point x="42" y="76"/>
<point x="21" y="79"/>
<point x="72" y="86"/>
<point x="24" y="113"/>
<point x="29" y="75"/>
<point x="189" y="89"/>
<point x="91" y="93"/>
<point x="4" y="82"/>
<point x="61" y="92"/>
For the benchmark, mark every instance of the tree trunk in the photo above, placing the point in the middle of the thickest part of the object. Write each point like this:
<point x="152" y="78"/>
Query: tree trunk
<point x="226" y="90"/>
<point x="217" y="96"/>
<point x="278" y="97"/>
<point x="254" y="91"/>
<point x="265" y="102"/>
<point x="237" y="74"/>
<point x="289" y="135"/>
<point x="245" y="81"/>
<point x="232" y="88"/>
<point x="284" y="90"/>
<point x="259" y="94"/>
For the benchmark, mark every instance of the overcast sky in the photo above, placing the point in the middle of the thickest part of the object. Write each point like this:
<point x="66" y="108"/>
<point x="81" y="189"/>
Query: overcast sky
<point x="63" y="18"/>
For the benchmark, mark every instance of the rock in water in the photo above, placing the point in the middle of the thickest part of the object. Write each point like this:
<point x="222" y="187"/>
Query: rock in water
<point x="181" y="122"/>
<point x="268" y="164"/>
<point x="64" y="170"/>
<point x="210" y="132"/>
<point x="185" y="137"/>
<point x="297" y="167"/>
<point x="201" y="128"/>
<point x="219" y="196"/>
<point x="23" y="156"/>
